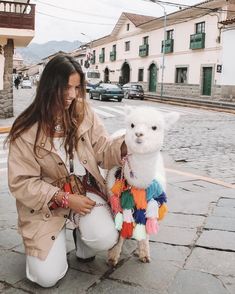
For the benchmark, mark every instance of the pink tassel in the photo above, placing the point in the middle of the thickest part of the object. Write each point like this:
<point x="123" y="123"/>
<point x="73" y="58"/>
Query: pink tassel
<point x="152" y="226"/>
<point x="115" y="204"/>
<point x="127" y="216"/>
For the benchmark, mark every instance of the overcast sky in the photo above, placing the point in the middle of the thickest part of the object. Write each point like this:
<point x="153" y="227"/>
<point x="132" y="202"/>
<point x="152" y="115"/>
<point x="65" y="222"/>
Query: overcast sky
<point x="67" y="19"/>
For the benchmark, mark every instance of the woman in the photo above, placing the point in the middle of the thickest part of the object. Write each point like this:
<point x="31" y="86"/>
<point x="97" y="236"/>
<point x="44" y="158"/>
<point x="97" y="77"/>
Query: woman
<point x="58" y="128"/>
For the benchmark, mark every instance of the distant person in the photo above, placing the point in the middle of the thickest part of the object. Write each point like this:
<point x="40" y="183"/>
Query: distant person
<point x="56" y="135"/>
<point x="17" y="82"/>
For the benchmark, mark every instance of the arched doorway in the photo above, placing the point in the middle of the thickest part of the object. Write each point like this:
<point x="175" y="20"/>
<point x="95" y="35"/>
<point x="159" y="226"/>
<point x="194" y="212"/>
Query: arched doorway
<point x="125" y="77"/>
<point x="106" y="75"/>
<point x="153" y="78"/>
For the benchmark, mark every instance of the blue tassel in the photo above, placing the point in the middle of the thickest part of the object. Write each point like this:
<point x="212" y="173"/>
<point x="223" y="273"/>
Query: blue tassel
<point x="154" y="190"/>
<point x="161" y="198"/>
<point x="139" y="216"/>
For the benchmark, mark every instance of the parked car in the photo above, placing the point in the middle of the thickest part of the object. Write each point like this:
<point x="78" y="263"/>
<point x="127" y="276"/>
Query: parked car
<point x="107" y="91"/>
<point x="26" y="84"/>
<point x="132" y="90"/>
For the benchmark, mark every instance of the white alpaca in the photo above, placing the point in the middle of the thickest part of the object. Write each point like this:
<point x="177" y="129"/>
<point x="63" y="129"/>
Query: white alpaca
<point x="144" y="139"/>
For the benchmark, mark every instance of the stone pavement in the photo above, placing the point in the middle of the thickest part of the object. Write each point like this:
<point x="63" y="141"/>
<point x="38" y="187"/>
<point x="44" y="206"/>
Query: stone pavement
<point x="194" y="252"/>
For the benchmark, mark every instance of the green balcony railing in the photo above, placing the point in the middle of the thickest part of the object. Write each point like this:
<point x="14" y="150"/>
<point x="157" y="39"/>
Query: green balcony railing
<point x="169" y="45"/>
<point x="112" y="55"/>
<point x="144" y="50"/>
<point x="101" y="58"/>
<point x="197" y="41"/>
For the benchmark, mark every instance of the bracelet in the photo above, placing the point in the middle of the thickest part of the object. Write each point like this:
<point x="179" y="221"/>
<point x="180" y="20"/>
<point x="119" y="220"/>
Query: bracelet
<point x="65" y="201"/>
<point x="55" y="197"/>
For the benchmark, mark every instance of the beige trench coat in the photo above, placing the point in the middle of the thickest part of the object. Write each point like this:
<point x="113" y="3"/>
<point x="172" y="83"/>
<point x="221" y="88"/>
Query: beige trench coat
<point x="30" y="177"/>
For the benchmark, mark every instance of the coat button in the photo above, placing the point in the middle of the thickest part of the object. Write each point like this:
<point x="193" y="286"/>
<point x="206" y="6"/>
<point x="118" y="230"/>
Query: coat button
<point x="32" y="210"/>
<point x="65" y="216"/>
<point x="42" y="144"/>
<point x="47" y="215"/>
<point x="84" y="161"/>
<point x="82" y="139"/>
<point x="52" y="237"/>
<point x="60" y="163"/>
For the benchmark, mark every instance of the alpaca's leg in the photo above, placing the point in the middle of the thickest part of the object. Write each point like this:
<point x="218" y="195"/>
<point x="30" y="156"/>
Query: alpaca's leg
<point x="144" y="252"/>
<point x="114" y="253"/>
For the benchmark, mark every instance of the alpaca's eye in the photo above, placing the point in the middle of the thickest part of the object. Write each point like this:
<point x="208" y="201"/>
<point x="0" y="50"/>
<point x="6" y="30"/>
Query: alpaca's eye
<point x="154" y="128"/>
<point x="132" y="125"/>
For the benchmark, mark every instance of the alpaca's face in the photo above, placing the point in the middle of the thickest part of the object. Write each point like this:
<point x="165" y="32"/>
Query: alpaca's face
<point x="144" y="130"/>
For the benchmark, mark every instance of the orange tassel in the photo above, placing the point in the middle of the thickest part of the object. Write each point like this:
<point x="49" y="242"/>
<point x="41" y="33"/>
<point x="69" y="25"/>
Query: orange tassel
<point x="118" y="187"/>
<point x="139" y="198"/>
<point x="162" y="211"/>
<point x="67" y="188"/>
<point x="127" y="230"/>
<point x="115" y="204"/>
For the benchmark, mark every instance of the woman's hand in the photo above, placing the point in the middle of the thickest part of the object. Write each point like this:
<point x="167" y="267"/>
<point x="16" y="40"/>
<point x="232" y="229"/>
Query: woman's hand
<point x="81" y="204"/>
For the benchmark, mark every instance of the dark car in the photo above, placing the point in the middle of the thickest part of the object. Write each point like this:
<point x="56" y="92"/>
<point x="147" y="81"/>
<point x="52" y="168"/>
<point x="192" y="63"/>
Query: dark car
<point x="132" y="90"/>
<point x="106" y="92"/>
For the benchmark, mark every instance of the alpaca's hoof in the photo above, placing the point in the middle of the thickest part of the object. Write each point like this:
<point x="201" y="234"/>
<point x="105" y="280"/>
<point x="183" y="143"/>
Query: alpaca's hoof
<point x="145" y="259"/>
<point x="112" y="262"/>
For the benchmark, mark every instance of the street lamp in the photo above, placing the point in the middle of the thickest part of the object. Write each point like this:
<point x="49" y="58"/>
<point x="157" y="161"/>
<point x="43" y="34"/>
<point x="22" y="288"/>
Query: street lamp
<point x="164" y="41"/>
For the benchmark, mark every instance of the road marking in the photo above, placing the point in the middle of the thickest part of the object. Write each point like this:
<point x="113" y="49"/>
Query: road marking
<point x="3" y="151"/>
<point x="203" y="178"/>
<point x="3" y="169"/>
<point x="103" y="113"/>
<point x="113" y="109"/>
<point x="3" y="160"/>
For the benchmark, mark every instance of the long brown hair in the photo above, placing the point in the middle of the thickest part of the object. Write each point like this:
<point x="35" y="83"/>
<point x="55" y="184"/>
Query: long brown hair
<point x="49" y="100"/>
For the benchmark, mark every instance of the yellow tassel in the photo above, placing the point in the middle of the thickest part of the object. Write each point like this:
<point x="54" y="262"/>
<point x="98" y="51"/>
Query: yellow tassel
<point x="162" y="211"/>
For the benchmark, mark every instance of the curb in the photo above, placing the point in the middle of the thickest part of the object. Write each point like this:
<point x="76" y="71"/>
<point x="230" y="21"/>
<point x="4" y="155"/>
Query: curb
<point x="4" y="130"/>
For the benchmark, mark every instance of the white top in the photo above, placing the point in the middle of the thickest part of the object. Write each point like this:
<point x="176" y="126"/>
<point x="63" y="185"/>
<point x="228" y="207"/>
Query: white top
<point x="79" y="170"/>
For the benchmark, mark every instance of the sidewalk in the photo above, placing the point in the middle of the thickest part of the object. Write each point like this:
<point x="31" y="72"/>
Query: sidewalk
<point x="194" y="252"/>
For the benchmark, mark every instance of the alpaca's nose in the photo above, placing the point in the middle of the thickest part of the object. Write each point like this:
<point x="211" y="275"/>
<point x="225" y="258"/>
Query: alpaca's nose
<point x="138" y="134"/>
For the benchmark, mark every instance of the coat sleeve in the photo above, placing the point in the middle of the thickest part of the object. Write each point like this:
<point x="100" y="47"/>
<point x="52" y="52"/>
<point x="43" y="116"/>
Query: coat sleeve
<point x="24" y="176"/>
<point x="107" y="150"/>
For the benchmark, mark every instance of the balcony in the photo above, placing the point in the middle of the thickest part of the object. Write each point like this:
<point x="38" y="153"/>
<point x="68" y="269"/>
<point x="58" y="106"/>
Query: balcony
<point x="144" y="50"/>
<point x="112" y="55"/>
<point x="197" y="41"/>
<point x="169" y="46"/>
<point x="101" y="58"/>
<point x="17" y="15"/>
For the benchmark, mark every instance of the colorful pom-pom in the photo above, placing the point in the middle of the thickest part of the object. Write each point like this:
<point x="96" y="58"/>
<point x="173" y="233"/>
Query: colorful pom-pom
<point x="139" y="216"/>
<point x="127" y="216"/>
<point x="118" y="187"/>
<point x="139" y="232"/>
<point x="154" y="190"/>
<point x="127" y="201"/>
<point x="161" y="198"/>
<point x="152" y="209"/>
<point x="162" y="211"/>
<point x="152" y="226"/>
<point x="115" y="204"/>
<point x="127" y="230"/>
<point x="139" y="196"/>
<point x="118" y="221"/>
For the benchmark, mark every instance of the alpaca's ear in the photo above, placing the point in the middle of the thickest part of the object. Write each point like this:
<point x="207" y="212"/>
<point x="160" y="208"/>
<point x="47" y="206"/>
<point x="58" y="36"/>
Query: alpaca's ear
<point x="171" y="118"/>
<point x="127" y="109"/>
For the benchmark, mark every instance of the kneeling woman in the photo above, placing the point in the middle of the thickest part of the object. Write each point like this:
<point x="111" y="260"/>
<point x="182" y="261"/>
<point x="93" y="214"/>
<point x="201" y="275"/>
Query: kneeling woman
<point x="57" y="129"/>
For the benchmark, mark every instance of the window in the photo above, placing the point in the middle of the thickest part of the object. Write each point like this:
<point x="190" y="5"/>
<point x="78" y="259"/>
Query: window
<point x="127" y="46"/>
<point x="103" y="51"/>
<point x="169" y="35"/>
<point x="114" y="48"/>
<point x="140" y="75"/>
<point x="145" y="40"/>
<point x="200" y="27"/>
<point x="128" y="27"/>
<point x="181" y="75"/>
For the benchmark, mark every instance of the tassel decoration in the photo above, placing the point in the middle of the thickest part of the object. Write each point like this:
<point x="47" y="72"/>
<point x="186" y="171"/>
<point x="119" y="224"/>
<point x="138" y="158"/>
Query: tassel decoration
<point x="139" y="216"/>
<point x="161" y="198"/>
<point x="118" y="187"/>
<point x="115" y="204"/>
<point x="139" y="196"/>
<point x="127" y="201"/>
<point x="127" y="230"/>
<point x="127" y="216"/>
<point x="154" y="190"/>
<point x="152" y="209"/>
<point x="152" y="226"/>
<point x="162" y="211"/>
<point x="118" y="221"/>
<point x="139" y="232"/>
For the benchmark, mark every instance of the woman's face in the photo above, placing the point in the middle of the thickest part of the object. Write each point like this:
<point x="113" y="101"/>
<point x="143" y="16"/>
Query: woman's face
<point x="73" y="89"/>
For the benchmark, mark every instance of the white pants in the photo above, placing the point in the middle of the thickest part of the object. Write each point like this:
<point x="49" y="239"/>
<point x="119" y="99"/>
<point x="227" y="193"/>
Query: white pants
<point x="98" y="233"/>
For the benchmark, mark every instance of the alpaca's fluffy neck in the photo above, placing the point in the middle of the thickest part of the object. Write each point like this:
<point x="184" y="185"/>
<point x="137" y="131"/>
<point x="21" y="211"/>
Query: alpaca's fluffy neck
<point x="144" y="168"/>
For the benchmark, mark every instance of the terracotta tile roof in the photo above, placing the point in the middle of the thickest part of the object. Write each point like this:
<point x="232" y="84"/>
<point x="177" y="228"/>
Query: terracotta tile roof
<point x="228" y="21"/>
<point x="138" y="19"/>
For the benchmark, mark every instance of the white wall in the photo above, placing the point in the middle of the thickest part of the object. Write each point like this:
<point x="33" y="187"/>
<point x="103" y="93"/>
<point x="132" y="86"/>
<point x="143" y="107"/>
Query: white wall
<point x="228" y="60"/>
<point x="1" y="70"/>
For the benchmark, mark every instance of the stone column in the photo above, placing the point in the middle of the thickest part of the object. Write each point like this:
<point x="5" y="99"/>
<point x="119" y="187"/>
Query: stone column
<point x="6" y="95"/>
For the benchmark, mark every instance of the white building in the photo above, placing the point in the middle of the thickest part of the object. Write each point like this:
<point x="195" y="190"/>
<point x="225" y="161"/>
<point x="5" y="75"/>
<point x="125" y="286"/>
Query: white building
<point x="194" y="53"/>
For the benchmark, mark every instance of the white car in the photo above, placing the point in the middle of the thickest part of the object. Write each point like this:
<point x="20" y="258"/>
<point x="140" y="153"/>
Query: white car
<point x="26" y="84"/>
